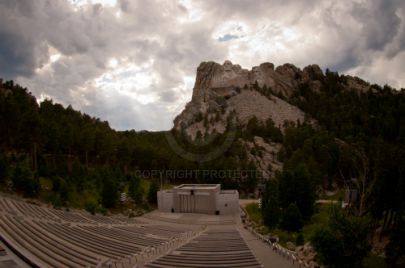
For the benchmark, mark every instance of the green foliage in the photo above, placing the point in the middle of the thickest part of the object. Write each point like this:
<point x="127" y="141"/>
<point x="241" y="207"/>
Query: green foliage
<point x="82" y="151"/>
<point x="345" y="241"/>
<point x="292" y="219"/>
<point x="319" y="219"/>
<point x="328" y="246"/>
<point x="152" y="193"/>
<point x="60" y="188"/>
<point x="249" y="183"/>
<point x="299" y="240"/>
<point x="271" y="204"/>
<point x="56" y="201"/>
<point x="24" y="181"/>
<point x="91" y="207"/>
<point x="266" y="130"/>
<point x="297" y="187"/>
<point x="77" y="148"/>
<point x="134" y="190"/>
<point x="109" y="193"/>
<point x="254" y="212"/>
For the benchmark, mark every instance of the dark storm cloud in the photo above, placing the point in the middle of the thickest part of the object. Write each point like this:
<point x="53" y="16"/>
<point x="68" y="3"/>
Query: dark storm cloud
<point x="18" y="56"/>
<point x="28" y="27"/>
<point x="380" y="22"/>
<point x="21" y="49"/>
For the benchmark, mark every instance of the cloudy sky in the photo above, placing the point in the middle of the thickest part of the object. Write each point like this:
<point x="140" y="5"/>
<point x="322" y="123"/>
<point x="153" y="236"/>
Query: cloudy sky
<point x="133" y="62"/>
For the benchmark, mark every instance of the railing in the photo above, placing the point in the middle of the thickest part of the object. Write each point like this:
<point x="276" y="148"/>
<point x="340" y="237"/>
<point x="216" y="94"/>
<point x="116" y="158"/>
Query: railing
<point x="277" y="248"/>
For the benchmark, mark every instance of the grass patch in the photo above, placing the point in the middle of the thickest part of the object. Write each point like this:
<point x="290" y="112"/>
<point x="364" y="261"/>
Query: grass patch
<point x="144" y="184"/>
<point x="284" y="236"/>
<point x="82" y="199"/>
<point x="255" y="213"/>
<point x="319" y="218"/>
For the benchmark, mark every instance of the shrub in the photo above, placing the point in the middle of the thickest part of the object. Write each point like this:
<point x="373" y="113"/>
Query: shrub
<point x="292" y="219"/>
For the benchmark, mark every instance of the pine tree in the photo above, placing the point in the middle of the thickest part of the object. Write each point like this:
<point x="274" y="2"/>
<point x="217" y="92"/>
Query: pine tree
<point x="109" y="193"/>
<point x="292" y="219"/>
<point x="24" y="181"/>
<point x="345" y="241"/>
<point x="152" y="194"/>
<point x="134" y="190"/>
<point x="271" y="204"/>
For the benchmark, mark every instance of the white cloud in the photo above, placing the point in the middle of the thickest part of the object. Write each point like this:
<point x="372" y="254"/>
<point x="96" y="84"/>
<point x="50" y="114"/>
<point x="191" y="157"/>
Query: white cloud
<point x="133" y="63"/>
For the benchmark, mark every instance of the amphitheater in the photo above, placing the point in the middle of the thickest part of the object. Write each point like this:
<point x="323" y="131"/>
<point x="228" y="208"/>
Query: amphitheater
<point x="37" y="236"/>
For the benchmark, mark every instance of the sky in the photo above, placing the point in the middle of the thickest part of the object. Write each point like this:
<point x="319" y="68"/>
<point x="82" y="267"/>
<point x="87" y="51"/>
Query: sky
<point x="133" y="62"/>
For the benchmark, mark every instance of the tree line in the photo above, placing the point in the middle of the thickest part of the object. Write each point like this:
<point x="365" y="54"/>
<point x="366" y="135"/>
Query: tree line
<point x="357" y="142"/>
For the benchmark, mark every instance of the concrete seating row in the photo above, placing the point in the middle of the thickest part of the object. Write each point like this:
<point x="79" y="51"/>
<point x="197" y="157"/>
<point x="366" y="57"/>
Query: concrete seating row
<point x="18" y="207"/>
<point x="139" y="239"/>
<point x="47" y="250"/>
<point x="164" y="231"/>
<point x="116" y="219"/>
<point x="32" y="210"/>
<point x="213" y="248"/>
<point x="124" y="219"/>
<point x="47" y="237"/>
<point x="94" y="243"/>
<point x="70" y="216"/>
<point x="6" y="206"/>
<point x="103" y="219"/>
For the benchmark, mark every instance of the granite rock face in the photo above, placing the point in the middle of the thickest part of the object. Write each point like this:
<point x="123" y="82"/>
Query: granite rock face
<point x="227" y="89"/>
<point x="225" y="93"/>
<point x="212" y="76"/>
<point x="215" y="81"/>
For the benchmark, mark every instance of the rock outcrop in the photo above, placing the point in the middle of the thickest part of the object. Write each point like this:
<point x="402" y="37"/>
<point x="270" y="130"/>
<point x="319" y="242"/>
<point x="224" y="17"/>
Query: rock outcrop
<point x="222" y="90"/>
<point x="225" y="93"/>
<point x="214" y="76"/>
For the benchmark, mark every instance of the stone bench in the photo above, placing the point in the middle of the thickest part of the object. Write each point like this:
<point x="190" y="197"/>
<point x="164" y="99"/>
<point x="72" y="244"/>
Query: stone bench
<point x="98" y="249"/>
<point x="115" y="234"/>
<point x="33" y="245"/>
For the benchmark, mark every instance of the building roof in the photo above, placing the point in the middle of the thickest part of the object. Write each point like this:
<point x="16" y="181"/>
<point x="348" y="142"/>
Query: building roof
<point x="197" y="186"/>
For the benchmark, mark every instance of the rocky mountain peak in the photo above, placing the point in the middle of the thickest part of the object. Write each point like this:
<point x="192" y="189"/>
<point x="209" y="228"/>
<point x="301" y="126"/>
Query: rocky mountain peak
<point x="224" y="90"/>
<point x="284" y="79"/>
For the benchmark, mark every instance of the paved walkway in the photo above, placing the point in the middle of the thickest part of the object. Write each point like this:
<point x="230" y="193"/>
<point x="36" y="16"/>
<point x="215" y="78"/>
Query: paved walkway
<point x="263" y="252"/>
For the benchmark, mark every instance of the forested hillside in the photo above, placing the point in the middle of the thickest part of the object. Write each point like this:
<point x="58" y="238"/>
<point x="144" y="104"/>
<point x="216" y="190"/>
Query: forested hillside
<point x="350" y="139"/>
<point x="78" y="156"/>
<point x="359" y="144"/>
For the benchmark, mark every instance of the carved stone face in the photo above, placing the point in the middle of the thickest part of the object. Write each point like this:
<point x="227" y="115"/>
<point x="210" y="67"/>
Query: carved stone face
<point x="257" y="75"/>
<point x="256" y="72"/>
<point x="227" y="66"/>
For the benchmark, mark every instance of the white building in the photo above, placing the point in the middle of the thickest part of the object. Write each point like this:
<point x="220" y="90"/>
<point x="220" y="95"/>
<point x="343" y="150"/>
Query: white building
<point x="199" y="198"/>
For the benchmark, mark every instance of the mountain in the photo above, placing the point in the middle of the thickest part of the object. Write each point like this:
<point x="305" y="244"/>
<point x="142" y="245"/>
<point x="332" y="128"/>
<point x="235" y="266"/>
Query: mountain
<point x="281" y="118"/>
<point x="262" y="92"/>
<point x="226" y="93"/>
<point x="221" y="90"/>
<point x="297" y="132"/>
